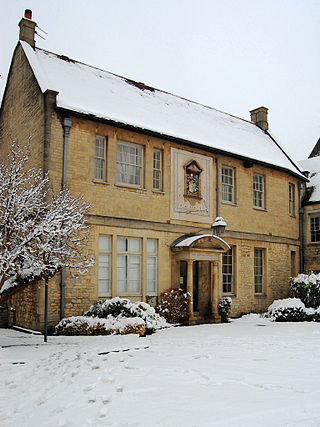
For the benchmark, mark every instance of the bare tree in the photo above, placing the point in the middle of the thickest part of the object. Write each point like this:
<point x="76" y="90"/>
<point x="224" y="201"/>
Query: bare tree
<point x="40" y="232"/>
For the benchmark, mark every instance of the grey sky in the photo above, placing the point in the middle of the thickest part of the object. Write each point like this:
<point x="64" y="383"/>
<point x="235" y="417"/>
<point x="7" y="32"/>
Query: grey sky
<point x="233" y="55"/>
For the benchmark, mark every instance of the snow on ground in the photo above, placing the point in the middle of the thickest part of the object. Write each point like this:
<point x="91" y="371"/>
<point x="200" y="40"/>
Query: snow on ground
<point x="251" y="372"/>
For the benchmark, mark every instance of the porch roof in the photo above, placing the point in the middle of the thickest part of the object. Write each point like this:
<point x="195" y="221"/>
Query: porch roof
<point x="189" y="241"/>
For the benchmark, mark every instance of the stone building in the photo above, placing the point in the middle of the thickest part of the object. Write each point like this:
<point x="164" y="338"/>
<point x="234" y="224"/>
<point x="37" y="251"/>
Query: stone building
<point x="311" y="211"/>
<point x="157" y="170"/>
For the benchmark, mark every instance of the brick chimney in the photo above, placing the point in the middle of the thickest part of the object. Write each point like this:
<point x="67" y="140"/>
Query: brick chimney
<point x="27" y="28"/>
<point x="259" y="116"/>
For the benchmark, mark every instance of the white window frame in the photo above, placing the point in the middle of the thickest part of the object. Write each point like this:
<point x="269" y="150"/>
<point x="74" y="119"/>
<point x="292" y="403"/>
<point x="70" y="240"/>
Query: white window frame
<point x="157" y="170"/>
<point x="315" y="228"/>
<point x="152" y="268"/>
<point x="129" y="256"/>
<point x="259" y="259"/>
<point x="100" y="158"/>
<point x="129" y="164"/>
<point x="104" y="268"/>
<point x="227" y="184"/>
<point x="228" y="271"/>
<point x="258" y="191"/>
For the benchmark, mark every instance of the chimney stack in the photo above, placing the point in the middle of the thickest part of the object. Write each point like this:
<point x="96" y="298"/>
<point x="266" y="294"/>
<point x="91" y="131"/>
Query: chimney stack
<point x="27" y="28"/>
<point x="259" y="116"/>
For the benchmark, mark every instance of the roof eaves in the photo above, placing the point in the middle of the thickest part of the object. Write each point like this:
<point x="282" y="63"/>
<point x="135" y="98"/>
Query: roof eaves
<point x="188" y="143"/>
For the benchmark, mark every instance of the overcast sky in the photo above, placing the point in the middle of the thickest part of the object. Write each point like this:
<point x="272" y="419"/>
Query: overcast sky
<point x="233" y="55"/>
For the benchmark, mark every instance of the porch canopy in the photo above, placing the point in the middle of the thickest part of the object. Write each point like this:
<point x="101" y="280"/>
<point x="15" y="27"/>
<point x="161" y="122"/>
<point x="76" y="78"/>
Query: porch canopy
<point x="203" y="247"/>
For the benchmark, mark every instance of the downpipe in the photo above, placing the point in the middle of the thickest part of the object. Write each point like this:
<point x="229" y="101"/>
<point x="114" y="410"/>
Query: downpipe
<point x="67" y="123"/>
<point x="301" y="239"/>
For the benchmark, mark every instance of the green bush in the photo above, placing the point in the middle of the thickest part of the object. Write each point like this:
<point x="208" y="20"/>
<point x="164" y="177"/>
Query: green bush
<point x="124" y="307"/>
<point x="306" y="287"/>
<point x="81" y="325"/>
<point x="287" y="310"/>
<point x="224" y="306"/>
<point x="173" y="306"/>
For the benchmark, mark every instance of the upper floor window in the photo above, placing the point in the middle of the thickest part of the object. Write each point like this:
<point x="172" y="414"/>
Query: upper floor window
<point x="258" y="191"/>
<point x="129" y="163"/>
<point x="104" y="265"/>
<point x="258" y="270"/>
<point x="100" y="158"/>
<point x="192" y="179"/>
<point x="227" y="271"/>
<point x="157" y="169"/>
<point x="128" y="265"/>
<point x="152" y="261"/>
<point x="315" y="228"/>
<point x="291" y="199"/>
<point x="227" y="187"/>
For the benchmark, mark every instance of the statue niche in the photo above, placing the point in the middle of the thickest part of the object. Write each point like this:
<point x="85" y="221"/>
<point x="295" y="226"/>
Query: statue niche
<point x="192" y="179"/>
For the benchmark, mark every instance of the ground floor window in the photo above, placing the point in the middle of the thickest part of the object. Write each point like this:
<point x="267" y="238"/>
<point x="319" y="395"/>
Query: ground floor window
<point x="128" y="265"/>
<point x="258" y="270"/>
<point x="152" y="262"/>
<point x="227" y="271"/>
<point x="315" y="228"/>
<point x="104" y="266"/>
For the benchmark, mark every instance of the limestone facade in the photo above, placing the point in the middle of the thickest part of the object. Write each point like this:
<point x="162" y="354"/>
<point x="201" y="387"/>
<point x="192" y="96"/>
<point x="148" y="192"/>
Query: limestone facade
<point x="264" y="239"/>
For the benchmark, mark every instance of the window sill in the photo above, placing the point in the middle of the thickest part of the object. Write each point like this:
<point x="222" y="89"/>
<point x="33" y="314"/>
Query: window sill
<point x="129" y="187"/>
<point x="260" y="295"/>
<point x="97" y="181"/>
<point x="158" y="192"/>
<point x="224" y="202"/>
<point x="260" y="209"/>
<point x="230" y="294"/>
<point x="292" y="216"/>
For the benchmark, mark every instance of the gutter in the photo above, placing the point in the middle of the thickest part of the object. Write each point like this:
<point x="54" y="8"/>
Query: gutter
<point x="185" y="142"/>
<point x="67" y="123"/>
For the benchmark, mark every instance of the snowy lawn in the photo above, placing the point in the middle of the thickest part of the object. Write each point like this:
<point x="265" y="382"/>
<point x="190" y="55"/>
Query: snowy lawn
<point x="251" y="372"/>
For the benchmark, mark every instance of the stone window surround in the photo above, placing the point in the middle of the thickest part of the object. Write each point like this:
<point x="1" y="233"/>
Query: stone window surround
<point x="232" y="185"/>
<point x="143" y="292"/>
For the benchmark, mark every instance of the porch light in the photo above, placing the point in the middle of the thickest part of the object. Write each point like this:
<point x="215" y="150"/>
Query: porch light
<point x="219" y="226"/>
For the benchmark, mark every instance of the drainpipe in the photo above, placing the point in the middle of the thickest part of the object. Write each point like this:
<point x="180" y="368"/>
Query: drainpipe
<point x="67" y="123"/>
<point x="217" y="188"/>
<point x="301" y="212"/>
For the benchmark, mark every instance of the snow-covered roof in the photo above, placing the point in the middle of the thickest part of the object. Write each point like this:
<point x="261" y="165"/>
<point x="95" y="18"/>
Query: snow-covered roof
<point x="95" y="92"/>
<point x="312" y="165"/>
<point x="188" y="241"/>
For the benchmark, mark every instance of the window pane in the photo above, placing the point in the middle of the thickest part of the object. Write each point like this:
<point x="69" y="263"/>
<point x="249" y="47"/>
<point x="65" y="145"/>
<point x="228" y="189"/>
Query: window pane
<point x="315" y="228"/>
<point x="151" y="246"/>
<point x="258" y="270"/>
<point x="151" y="275"/>
<point x="227" y="271"/>
<point x="134" y="245"/>
<point x="121" y="273"/>
<point x="104" y="243"/>
<point x="121" y="244"/>
<point x="134" y="274"/>
<point x="104" y="274"/>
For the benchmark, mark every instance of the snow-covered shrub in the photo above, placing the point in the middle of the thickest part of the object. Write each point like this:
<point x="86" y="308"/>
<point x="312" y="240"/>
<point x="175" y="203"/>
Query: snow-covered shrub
<point x="307" y="288"/>
<point x="224" y="306"/>
<point x="173" y="305"/>
<point x="287" y="310"/>
<point x="81" y="325"/>
<point x="125" y="308"/>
